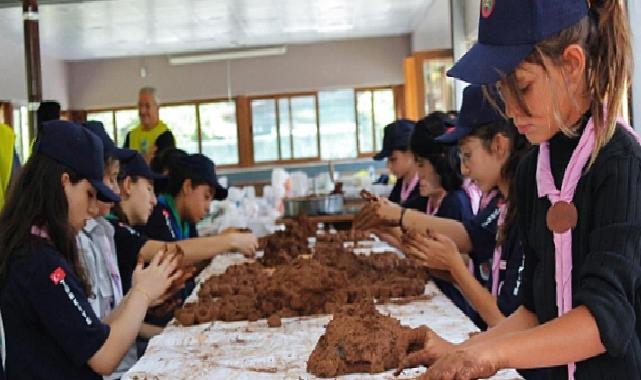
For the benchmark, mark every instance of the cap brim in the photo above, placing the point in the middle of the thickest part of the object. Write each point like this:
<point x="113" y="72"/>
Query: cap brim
<point x="453" y="136"/>
<point x="220" y="193"/>
<point x="486" y="64"/>
<point x="104" y="193"/>
<point x="382" y="155"/>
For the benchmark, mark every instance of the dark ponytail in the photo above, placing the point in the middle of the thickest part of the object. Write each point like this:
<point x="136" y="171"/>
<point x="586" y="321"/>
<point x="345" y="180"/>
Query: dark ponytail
<point x="519" y="146"/>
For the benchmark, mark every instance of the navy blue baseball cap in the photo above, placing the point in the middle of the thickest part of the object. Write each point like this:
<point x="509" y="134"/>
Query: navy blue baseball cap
<point x="508" y="32"/>
<point x="475" y="111"/>
<point x="108" y="146"/>
<point x="77" y="148"/>
<point x="396" y="136"/>
<point x="132" y="164"/>
<point x="202" y="168"/>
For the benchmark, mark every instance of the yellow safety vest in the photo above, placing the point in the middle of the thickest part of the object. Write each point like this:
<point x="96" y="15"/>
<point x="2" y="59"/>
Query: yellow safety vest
<point x="143" y="141"/>
<point x="7" y="139"/>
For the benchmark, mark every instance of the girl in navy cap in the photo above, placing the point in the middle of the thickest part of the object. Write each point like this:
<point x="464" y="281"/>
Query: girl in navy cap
<point x="562" y="68"/>
<point x="51" y="330"/>
<point x="400" y="162"/>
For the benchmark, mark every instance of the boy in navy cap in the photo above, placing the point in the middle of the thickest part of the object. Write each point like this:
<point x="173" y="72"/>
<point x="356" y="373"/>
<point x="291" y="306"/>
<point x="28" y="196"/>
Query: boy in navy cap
<point x="400" y="161"/>
<point x="51" y="330"/>
<point x="191" y="187"/>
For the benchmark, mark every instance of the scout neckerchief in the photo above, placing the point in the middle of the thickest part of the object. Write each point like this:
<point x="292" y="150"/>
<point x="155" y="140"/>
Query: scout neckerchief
<point x="408" y="187"/>
<point x="497" y="263"/>
<point x="562" y="217"/>
<point x="179" y="229"/>
<point x="433" y="210"/>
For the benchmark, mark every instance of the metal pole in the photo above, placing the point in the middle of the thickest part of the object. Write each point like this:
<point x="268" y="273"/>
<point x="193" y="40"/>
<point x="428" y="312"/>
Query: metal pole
<point x="31" y="18"/>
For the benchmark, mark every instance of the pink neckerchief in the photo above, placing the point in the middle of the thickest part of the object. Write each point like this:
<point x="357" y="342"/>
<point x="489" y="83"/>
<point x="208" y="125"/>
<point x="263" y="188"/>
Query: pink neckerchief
<point x="406" y="188"/>
<point x="474" y="194"/>
<point x="433" y="210"/>
<point x="498" y="250"/>
<point x="546" y="187"/>
<point x="40" y="232"/>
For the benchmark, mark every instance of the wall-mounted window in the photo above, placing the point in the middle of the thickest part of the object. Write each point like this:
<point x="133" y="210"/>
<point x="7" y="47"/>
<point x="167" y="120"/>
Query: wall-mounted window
<point x="219" y="132"/>
<point x="181" y="119"/>
<point x="285" y="127"/>
<point x="207" y="127"/>
<point x="328" y="125"/>
<point x="374" y="110"/>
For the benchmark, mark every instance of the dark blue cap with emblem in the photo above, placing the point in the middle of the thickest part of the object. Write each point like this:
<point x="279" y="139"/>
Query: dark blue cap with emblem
<point x="475" y="112"/>
<point x="78" y="149"/>
<point x="508" y="32"/>
<point x="396" y="136"/>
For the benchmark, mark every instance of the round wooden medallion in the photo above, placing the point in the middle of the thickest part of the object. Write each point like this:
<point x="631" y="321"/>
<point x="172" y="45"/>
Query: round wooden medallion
<point x="562" y="217"/>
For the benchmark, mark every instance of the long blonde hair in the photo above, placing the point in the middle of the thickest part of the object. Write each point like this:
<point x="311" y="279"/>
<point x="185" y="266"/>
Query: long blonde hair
<point x="604" y="36"/>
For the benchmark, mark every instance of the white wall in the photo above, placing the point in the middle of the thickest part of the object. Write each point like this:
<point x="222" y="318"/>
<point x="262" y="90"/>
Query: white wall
<point x="13" y="77"/>
<point x="433" y="30"/>
<point x="354" y="63"/>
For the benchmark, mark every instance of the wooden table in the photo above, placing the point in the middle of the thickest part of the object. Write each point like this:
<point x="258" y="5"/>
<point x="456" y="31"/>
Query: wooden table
<point x="251" y="350"/>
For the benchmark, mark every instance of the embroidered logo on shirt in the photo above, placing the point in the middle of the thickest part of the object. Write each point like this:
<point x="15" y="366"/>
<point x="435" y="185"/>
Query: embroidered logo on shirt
<point x="168" y="222"/>
<point x="487" y="7"/>
<point x="128" y="228"/>
<point x="58" y="277"/>
<point x="493" y="216"/>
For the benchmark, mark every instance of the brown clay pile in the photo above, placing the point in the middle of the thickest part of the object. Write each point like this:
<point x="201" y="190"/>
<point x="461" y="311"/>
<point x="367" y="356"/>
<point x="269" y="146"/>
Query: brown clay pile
<point x="344" y="236"/>
<point x="334" y="277"/>
<point x="282" y="247"/>
<point x="361" y="340"/>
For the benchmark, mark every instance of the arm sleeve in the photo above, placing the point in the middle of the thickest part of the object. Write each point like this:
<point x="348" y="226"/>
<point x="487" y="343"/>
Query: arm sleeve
<point x="482" y="232"/>
<point x="126" y="144"/>
<point x="611" y="274"/>
<point x="165" y="141"/>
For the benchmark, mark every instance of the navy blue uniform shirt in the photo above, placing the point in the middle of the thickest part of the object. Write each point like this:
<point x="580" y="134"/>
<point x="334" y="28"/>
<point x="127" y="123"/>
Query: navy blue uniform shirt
<point x="50" y="329"/>
<point x="163" y="223"/>
<point x="414" y="201"/>
<point x="128" y="244"/>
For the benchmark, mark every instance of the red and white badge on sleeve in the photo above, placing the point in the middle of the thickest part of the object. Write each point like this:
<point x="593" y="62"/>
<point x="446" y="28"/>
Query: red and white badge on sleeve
<point x="58" y="277"/>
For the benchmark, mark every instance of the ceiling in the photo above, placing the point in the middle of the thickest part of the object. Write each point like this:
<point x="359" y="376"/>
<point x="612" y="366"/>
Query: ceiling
<point x="115" y="28"/>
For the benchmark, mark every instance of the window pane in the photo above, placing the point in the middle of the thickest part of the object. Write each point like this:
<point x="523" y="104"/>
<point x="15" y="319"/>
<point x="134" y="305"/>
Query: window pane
<point x="219" y="132"/>
<point x="439" y="89"/>
<point x="106" y="118"/>
<point x="285" y="129"/>
<point x="365" y="121"/>
<point x="182" y="122"/>
<point x="21" y="129"/>
<point x="126" y="120"/>
<point x="304" y="126"/>
<point x="383" y="113"/>
<point x="337" y="124"/>
<point x="264" y="129"/>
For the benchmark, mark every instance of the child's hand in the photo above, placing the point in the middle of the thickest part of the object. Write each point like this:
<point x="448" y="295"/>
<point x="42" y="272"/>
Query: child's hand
<point x="435" y="252"/>
<point x="245" y="243"/>
<point x="155" y="279"/>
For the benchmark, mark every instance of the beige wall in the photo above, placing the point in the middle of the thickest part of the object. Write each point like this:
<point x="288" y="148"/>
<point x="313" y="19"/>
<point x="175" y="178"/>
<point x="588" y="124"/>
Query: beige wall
<point x="13" y="78"/>
<point x="362" y="62"/>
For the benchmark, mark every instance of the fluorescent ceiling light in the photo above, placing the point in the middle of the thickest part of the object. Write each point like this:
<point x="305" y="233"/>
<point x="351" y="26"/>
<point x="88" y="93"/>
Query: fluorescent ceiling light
<point x="227" y="55"/>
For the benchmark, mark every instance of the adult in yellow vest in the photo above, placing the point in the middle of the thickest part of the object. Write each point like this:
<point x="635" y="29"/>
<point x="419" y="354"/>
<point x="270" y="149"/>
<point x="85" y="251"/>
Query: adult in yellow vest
<point x="151" y="135"/>
<point x="9" y="164"/>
